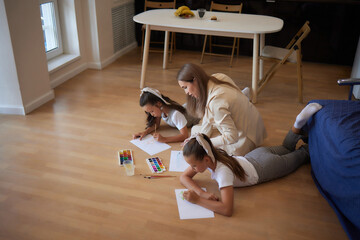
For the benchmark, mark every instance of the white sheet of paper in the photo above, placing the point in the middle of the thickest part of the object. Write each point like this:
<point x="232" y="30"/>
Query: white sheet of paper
<point x="188" y="210"/>
<point x="177" y="162"/>
<point x="150" y="145"/>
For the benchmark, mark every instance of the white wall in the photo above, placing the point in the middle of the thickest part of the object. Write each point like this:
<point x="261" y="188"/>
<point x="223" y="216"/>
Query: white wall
<point x="101" y="51"/>
<point x="355" y="73"/>
<point x="92" y="44"/>
<point x="30" y="61"/>
<point x="71" y="22"/>
<point x="10" y="97"/>
<point x="103" y="13"/>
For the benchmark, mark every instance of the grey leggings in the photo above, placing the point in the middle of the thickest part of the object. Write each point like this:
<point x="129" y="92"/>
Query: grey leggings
<point x="275" y="162"/>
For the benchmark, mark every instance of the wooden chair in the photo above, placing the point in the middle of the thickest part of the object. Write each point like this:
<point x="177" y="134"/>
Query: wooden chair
<point x="223" y="8"/>
<point x="280" y="56"/>
<point x="156" y="5"/>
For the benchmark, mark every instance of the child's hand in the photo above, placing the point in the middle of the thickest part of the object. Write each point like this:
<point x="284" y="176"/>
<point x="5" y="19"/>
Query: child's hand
<point x="158" y="137"/>
<point x="209" y="196"/>
<point x="191" y="196"/>
<point x="139" y="135"/>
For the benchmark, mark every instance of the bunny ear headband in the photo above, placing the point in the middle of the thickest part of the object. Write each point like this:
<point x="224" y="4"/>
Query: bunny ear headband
<point x="205" y="144"/>
<point x="155" y="92"/>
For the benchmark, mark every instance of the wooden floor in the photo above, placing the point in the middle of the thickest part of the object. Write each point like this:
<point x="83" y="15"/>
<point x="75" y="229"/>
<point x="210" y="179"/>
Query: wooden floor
<point x="60" y="179"/>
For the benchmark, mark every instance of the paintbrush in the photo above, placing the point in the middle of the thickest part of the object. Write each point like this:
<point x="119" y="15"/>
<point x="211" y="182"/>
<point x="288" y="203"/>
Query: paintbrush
<point x="158" y="176"/>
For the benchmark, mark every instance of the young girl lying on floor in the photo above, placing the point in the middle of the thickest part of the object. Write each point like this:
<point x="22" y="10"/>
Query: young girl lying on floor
<point x="157" y="107"/>
<point x="260" y="165"/>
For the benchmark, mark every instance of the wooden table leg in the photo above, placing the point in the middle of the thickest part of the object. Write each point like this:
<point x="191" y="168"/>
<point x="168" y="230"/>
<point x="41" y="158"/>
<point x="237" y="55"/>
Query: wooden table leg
<point x="145" y="56"/>
<point x="166" y="48"/>
<point x="255" y="68"/>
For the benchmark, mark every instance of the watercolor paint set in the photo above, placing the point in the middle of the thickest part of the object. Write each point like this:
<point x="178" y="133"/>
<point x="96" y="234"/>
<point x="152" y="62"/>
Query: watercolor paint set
<point x="124" y="155"/>
<point x="155" y="165"/>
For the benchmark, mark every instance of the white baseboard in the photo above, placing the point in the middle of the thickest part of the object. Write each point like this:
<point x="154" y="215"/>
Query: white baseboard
<point x="94" y="65"/>
<point x="113" y="58"/>
<point x="63" y="78"/>
<point x="39" y="101"/>
<point x="19" y="110"/>
<point x="12" y="110"/>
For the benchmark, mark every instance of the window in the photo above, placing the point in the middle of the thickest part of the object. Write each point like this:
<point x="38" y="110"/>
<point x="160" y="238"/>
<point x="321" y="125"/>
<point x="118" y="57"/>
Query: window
<point x="51" y="28"/>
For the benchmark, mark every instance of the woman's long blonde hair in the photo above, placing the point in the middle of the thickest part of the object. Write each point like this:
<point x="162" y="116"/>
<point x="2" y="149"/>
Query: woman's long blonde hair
<point x="188" y="73"/>
<point x="192" y="147"/>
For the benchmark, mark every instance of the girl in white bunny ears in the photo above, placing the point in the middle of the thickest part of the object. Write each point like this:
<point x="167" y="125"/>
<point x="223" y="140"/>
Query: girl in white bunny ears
<point x="157" y="107"/>
<point x="260" y="165"/>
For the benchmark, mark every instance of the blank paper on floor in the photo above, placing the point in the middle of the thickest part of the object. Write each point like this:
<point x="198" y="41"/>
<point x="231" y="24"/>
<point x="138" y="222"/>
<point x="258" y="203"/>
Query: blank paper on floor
<point x="177" y="162"/>
<point x="188" y="210"/>
<point x="150" y="145"/>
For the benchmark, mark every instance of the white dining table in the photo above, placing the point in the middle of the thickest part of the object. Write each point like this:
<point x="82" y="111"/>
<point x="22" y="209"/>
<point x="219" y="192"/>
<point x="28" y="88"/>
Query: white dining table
<point x="248" y="26"/>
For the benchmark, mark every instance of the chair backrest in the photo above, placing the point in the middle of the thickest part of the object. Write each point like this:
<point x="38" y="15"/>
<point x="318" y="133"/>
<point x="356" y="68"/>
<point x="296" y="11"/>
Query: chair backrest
<point x="295" y="43"/>
<point x="153" y="4"/>
<point x="300" y="35"/>
<point x="225" y="7"/>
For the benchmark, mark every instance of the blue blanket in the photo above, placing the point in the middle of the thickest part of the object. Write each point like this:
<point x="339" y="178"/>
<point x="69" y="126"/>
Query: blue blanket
<point x="334" y="145"/>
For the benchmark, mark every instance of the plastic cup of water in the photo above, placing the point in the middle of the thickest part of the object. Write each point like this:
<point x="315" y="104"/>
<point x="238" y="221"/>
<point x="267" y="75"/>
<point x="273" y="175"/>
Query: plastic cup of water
<point x="129" y="168"/>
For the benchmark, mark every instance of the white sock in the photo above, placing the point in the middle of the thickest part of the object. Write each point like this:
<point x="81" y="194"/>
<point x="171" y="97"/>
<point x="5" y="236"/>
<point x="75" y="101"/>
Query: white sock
<point x="305" y="114"/>
<point x="246" y="92"/>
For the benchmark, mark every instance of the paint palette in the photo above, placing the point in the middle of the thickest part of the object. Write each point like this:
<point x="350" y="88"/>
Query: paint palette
<point x="125" y="155"/>
<point x="155" y="165"/>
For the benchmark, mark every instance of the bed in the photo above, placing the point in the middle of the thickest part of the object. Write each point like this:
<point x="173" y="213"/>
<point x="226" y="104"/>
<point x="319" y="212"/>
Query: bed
<point x="334" y="145"/>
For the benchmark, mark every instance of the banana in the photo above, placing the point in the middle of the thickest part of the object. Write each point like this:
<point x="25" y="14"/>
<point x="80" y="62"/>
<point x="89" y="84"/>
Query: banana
<point x="182" y="8"/>
<point x="179" y="11"/>
<point x="187" y="13"/>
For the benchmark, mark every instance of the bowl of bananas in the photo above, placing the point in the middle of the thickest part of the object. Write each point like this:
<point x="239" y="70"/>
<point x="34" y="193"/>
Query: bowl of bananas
<point x="184" y="12"/>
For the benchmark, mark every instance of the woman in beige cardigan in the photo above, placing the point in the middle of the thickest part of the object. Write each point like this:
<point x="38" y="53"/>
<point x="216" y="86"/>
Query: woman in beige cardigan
<point x="223" y="107"/>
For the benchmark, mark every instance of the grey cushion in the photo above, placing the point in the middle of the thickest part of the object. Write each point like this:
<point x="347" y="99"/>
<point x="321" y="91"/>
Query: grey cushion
<point x="278" y="53"/>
